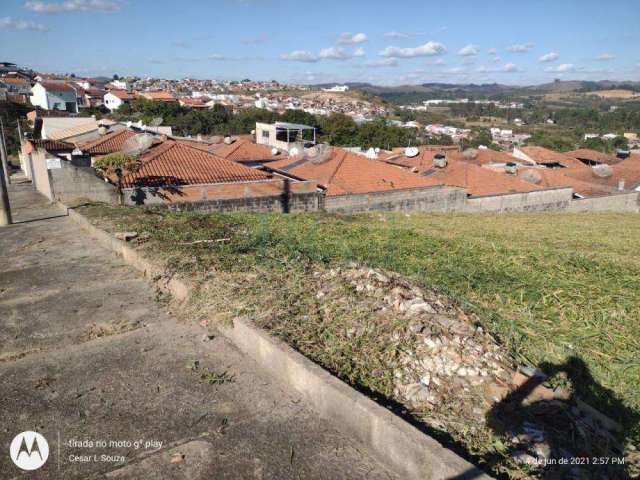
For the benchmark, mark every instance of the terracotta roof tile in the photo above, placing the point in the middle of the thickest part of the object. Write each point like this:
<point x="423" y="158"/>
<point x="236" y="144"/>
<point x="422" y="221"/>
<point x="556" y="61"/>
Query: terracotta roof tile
<point x="174" y="163"/>
<point x="545" y="156"/>
<point x="343" y="172"/>
<point x="479" y="181"/>
<point x="50" y="145"/>
<point x="109" y="143"/>
<point x="123" y="94"/>
<point x="594" y="156"/>
<point x="243" y="150"/>
<point x="557" y="178"/>
<point x="58" y="86"/>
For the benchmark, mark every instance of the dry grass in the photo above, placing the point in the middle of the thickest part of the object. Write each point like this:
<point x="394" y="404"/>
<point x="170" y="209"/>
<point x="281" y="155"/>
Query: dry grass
<point x="548" y="286"/>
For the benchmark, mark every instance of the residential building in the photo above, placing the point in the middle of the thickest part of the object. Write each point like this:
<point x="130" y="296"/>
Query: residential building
<point x="285" y="136"/>
<point x="114" y="99"/>
<point x="51" y="95"/>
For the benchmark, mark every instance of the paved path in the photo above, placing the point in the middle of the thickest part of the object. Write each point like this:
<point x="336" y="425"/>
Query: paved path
<point x="88" y="354"/>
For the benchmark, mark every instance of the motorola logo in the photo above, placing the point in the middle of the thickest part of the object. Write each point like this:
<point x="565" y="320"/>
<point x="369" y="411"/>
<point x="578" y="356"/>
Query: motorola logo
<point x="29" y="450"/>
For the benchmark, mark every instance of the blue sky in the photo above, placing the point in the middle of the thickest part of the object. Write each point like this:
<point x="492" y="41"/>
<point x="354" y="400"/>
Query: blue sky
<point x="311" y="41"/>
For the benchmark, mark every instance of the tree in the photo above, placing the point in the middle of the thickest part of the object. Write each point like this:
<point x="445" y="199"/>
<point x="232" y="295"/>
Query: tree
<point x="117" y="164"/>
<point x="340" y="129"/>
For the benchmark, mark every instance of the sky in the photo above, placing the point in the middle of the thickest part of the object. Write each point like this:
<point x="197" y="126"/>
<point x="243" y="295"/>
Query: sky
<point x="517" y="42"/>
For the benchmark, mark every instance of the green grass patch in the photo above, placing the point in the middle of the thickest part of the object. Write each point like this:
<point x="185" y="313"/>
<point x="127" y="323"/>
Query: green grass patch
<point x="547" y="286"/>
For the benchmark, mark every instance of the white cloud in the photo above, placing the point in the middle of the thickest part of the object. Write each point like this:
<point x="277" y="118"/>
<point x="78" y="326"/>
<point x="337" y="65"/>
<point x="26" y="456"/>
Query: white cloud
<point x="549" y="57"/>
<point x="520" y="48"/>
<point x="299" y="56"/>
<point x="565" y="67"/>
<point x="359" y="52"/>
<point x="508" y="68"/>
<point x="511" y="68"/>
<point x="333" y="53"/>
<point x="469" y="51"/>
<point x="382" y="62"/>
<point x="347" y="38"/>
<point x="605" y="57"/>
<point x="74" y="6"/>
<point x="395" y="34"/>
<point x="426" y="50"/>
<point x="18" y="24"/>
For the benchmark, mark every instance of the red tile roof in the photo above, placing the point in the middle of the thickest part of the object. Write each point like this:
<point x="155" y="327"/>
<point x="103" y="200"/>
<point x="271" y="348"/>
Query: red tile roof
<point x="342" y="172"/>
<point x="123" y="94"/>
<point x="110" y="143"/>
<point x="594" y="156"/>
<point x="174" y="163"/>
<point x="478" y="181"/>
<point x="159" y="96"/>
<point x="58" y="86"/>
<point x="557" y="178"/>
<point x="545" y="156"/>
<point x="50" y="145"/>
<point x="243" y="150"/>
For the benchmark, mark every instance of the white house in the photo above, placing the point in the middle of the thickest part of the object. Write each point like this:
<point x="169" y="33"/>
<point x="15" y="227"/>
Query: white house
<point x="50" y="95"/>
<point x="114" y="99"/>
<point x="337" y="89"/>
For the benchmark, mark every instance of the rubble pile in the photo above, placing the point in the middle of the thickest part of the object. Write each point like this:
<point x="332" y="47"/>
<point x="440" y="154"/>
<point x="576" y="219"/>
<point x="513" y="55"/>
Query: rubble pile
<point x="457" y="379"/>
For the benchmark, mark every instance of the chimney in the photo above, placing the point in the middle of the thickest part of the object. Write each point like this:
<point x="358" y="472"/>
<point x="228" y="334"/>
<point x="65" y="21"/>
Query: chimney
<point x="621" y="184"/>
<point x="439" y="160"/>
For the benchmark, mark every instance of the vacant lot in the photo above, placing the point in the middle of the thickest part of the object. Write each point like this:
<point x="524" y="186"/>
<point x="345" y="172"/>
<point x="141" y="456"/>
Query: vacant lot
<point x="548" y="287"/>
<point x="615" y="94"/>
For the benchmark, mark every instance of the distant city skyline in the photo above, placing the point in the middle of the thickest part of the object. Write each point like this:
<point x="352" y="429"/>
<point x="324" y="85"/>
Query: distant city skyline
<point x="384" y="43"/>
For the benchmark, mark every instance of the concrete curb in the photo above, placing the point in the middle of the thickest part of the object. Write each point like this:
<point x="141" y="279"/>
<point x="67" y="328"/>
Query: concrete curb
<point x="397" y="443"/>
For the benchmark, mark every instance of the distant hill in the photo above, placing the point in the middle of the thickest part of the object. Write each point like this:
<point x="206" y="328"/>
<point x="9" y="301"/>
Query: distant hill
<point x="404" y="94"/>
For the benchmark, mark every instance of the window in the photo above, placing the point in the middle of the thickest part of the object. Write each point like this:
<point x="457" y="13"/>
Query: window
<point x="265" y="133"/>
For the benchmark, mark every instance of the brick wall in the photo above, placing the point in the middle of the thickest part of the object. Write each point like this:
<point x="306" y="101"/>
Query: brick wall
<point x="429" y="199"/>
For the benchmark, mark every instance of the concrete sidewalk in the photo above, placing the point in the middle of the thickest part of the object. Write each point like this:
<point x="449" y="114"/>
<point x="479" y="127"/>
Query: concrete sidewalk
<point x="87" y="355"/>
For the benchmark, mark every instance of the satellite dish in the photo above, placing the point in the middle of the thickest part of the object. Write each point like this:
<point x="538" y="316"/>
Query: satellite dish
<point x="137" y="144"/>
<point x="228" y="140"/>
<point x="311" y="152"/>
<point x="156" y="122"/>
<point x="76" y="151"/>
<point x="274" y="151"/>
<point x="129" y="124"/>
<point x="411" y="152"/>
<point x="532" y="176"/>
<point x="294" y="151"/>
<point x="377" y="150"/>
<point x="102" y="130"/>
<point x="371" y="153"/>
<point x="602" y="171"/>
<point x="253" y="132"/>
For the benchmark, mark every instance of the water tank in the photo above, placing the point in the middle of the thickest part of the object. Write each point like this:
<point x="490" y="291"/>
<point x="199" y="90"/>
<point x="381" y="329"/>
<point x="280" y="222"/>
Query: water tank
<point x="511" y="168"/>
<point x="439" y="160"/>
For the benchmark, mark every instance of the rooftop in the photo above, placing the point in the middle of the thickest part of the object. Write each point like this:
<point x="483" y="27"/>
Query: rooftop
<point x="175" y="163"/>
<point x="342" y="172"/>
<point x="109" y="143"/>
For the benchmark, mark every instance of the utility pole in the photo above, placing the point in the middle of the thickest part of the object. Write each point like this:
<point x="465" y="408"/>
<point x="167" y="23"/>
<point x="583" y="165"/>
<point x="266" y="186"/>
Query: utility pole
<point x="3" y="154"/>
<point x="5" y="209"/>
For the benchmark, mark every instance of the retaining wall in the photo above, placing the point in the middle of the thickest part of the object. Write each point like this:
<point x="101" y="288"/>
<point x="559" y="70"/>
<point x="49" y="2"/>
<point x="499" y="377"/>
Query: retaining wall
<point x="538" y="201"/>
<point x="430" y="199"/>
<point x="623" y="202"/>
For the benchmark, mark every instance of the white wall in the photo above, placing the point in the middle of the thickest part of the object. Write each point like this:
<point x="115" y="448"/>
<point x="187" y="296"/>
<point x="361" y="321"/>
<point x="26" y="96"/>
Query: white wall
<point x="53" y="99"/>
<point x="112" y="102"/>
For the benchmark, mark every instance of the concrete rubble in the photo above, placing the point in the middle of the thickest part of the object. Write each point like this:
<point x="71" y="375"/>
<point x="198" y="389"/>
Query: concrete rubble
<point x="456" y="378"/>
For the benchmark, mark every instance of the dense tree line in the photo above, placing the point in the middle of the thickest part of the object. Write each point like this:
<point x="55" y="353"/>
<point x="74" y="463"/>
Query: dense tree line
<point x="336" y="129"/>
